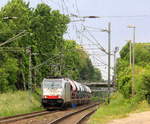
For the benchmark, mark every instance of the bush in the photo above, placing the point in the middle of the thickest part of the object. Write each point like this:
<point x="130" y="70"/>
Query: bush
<point x="18" y="103"/>
<point x="146" y="84"/>
<point x="141" y="84"/>
<point x="119" y="107"/>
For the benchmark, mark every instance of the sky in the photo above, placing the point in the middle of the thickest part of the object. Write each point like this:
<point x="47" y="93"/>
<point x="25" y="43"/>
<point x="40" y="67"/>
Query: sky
<point x="120" y="13"/>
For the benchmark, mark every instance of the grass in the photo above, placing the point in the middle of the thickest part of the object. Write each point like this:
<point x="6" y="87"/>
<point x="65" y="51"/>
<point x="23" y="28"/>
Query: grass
<point x="18" y="102"/>
<point x="118" y="108"/>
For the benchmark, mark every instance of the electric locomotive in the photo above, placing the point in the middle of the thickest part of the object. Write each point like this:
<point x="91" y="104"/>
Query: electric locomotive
<point x="62" y="92"/>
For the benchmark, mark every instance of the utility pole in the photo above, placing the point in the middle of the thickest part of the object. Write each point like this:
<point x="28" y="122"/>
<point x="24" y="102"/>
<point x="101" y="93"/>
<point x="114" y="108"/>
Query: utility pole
<point x="115" y="51"/>
<point x="133" y="58"/>
<point x="29" y="52"/>
<point x="30" y="69"/>
<point x="130" y="43"/>
<point x="109" y="58"/>
<point x="108" y="30"/>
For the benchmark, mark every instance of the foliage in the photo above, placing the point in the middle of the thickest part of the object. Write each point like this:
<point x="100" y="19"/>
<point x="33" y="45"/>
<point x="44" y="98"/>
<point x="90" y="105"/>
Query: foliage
<point x="77" y="64"/>
<point x="146" y="82"/>
<point x="141" y="72"/>
<point x="42" y="31"/>
<point x="18" y="103"/>
<point x="119" y="107"/>
<point x="142" y="53"/>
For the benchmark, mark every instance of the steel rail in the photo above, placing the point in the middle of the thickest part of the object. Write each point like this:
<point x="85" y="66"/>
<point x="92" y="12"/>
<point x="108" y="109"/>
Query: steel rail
<point x="15" y="118"/>
<point x="72" y="113"/>
<point x="86" y="116"/>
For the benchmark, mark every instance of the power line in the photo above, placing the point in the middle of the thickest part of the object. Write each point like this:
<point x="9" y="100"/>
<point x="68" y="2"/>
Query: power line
<point x="12" y="49"/>
<point x="92" y="27"/>
<point x="77" y="7"/>
<point x="52" y="2"/>
<point x="99" y="46"/>
<point x="65" y="6"/>
<point x="21" y="34"/>
<point x="99" y="60"/>
<point x="77" y="16"/>
<point x="45" y="62"/>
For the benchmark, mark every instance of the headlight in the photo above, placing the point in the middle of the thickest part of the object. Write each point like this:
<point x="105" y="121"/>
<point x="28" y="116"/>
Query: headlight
<point x="44" y="97"/>
<point x="59" y="97"/>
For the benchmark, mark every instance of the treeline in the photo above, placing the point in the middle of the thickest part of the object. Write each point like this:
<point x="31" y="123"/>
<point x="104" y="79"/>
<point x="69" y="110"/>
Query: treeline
<point x="38" y="33"/>
<point x="141" y="85"/>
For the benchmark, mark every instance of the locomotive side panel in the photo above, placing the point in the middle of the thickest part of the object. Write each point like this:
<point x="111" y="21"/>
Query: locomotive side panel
<point x="67" y="93"/>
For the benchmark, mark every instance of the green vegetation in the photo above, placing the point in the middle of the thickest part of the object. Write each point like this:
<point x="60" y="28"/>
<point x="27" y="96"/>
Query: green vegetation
<point x="119" y="107"/>
<point x="18" y="102"/>
<point x="41" y="29"/>
<point x="99" y="96"/>
<point x="142" y="71"/>
<point x="123" y="102"/>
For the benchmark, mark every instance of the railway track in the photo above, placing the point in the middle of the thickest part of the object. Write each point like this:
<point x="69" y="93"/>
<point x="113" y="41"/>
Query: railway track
<point x="54" y="116"/>
<point x="5" y="120"/>
<point x="76" y="117"/>
<point x="85" y="116"/>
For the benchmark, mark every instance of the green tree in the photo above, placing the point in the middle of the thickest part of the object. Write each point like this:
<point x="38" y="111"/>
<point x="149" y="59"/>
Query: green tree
<point x="43" y="32"/>
<point x="141" y="72"/>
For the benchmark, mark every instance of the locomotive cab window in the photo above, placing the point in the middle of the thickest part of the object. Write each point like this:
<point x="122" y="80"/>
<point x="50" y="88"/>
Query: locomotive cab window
<point x="52" y="84"/>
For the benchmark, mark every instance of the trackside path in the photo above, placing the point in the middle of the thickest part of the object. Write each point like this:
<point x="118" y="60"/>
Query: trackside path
<point x="137" y="118"/>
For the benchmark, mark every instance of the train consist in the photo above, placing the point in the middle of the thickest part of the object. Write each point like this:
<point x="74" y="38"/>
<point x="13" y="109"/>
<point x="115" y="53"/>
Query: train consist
<point x="62" y="92"/>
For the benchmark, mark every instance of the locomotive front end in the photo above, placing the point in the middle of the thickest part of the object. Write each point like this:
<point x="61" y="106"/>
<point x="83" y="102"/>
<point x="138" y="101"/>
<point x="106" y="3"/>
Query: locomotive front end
<point x="52" y="93"/>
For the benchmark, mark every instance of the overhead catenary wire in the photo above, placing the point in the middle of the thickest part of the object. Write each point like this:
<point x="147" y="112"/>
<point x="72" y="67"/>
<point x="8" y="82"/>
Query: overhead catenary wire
<point x="80" y="33"/>
<point x="98" y="45"/>
<point x="128" y="16"/>
<point x="21" y="34"/>
<point x="45" y="62"/>
<point x="99" y="64"/>
<point x="103" y="62"/>
<point x="94" y="28"/>
<point x="65" y="10"/>
<point x="100" y="61"/>
<point x="76" y="4"/>
<point x="12" y="49"/>
<point x="53" y="1"/>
